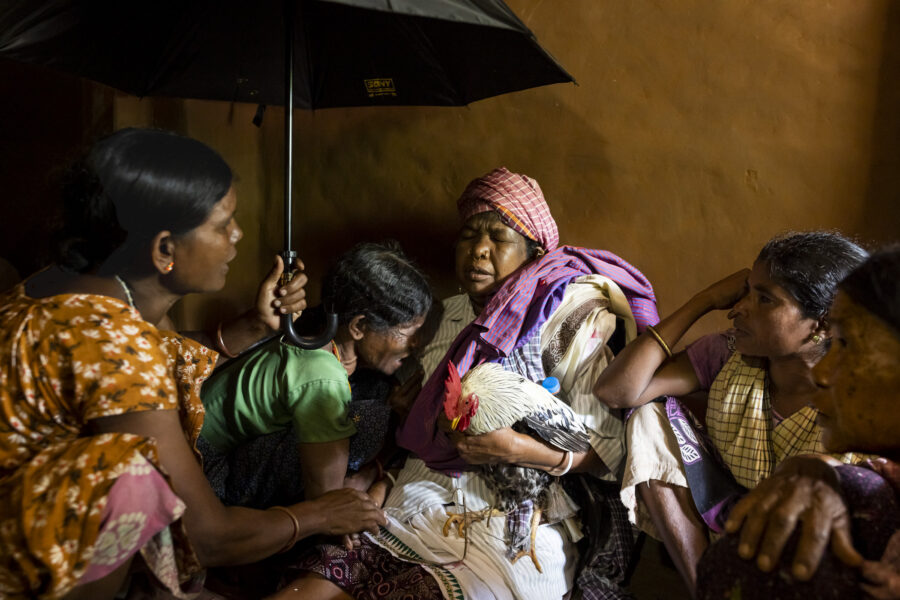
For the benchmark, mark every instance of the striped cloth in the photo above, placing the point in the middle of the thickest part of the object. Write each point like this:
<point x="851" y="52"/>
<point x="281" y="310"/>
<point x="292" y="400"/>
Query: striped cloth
<point x="518" y="200"/>
<point x="739" y="418"/>
<point x="457" y="313"/>
<point x="515" y="312"/>
<point x="477" y="567"/>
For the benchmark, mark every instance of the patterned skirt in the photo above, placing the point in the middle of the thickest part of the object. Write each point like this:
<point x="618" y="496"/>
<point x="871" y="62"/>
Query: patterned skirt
<point x="368" y="572"/>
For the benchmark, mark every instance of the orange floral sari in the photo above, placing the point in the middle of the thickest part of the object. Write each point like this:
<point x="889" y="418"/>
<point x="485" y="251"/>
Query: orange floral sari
<point x="65" y="360"/>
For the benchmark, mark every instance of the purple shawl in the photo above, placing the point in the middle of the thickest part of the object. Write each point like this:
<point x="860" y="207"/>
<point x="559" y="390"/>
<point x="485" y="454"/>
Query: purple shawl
<point x="515" y="312"/>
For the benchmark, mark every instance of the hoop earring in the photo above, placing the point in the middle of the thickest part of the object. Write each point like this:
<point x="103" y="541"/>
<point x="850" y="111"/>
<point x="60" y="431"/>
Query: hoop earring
<point x="168" y="268"/>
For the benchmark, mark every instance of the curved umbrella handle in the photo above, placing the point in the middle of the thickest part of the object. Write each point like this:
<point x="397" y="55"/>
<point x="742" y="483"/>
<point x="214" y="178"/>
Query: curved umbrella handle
<point x="309" y="343"/>
<point x="287" y="321"/>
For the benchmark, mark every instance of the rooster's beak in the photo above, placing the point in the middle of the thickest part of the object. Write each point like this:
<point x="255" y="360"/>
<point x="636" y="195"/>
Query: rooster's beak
<point x="454" y="423"/>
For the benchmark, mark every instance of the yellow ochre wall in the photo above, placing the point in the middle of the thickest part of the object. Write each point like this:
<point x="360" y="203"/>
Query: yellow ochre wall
<point x="698" y="129"/>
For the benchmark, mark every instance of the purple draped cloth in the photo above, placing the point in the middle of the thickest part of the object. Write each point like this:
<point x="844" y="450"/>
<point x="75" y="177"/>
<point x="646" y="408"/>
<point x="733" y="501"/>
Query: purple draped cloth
<point x="515" y="312"/>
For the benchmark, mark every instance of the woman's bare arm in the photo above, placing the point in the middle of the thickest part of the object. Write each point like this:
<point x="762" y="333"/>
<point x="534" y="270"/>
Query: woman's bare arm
<point x="507" y="446"/>
<point x="234" y="535"/>
<point x="324" y="466"/>
<point x="643" y="371"/>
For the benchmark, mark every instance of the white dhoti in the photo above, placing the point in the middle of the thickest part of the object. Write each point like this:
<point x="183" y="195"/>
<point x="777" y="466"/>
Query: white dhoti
<point x="652" y="453"/>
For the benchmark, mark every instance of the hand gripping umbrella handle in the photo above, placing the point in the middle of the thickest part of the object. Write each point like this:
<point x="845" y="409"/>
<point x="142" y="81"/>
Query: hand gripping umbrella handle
<point x="287" y="321"/>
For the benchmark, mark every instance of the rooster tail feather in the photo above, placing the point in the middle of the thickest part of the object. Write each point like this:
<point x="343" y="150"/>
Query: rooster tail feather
<point x="570" y="436"/>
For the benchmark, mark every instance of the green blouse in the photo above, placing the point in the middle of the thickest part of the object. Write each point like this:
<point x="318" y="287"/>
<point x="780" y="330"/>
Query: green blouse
<point x="272" y="388"/>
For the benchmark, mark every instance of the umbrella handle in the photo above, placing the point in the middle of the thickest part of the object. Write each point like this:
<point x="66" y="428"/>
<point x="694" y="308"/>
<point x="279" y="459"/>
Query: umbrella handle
<point x="309" y="343"/>
<point x="287" y="321"/>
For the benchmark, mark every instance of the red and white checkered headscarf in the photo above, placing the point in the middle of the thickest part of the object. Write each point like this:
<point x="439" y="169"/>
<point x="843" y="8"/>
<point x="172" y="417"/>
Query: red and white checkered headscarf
<point x="519" y="202"/>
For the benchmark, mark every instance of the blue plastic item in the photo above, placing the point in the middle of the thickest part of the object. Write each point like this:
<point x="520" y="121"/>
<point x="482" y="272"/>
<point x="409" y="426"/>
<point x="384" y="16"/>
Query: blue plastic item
<point x="551" y="384"/>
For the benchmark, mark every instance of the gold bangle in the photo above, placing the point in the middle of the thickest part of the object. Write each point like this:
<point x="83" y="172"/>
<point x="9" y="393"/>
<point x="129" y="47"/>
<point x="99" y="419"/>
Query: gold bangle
<point x="295" y="523"/>
<point x="662" y="342"/>
<point x="221" y="342"/>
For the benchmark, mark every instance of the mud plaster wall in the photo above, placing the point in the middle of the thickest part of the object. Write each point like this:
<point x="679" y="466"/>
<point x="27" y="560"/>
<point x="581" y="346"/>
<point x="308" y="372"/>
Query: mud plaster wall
<point x="698" y="129"/>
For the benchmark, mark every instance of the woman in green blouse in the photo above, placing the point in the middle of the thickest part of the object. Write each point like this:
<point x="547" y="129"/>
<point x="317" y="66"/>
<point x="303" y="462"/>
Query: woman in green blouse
<point x="279" y="420"/>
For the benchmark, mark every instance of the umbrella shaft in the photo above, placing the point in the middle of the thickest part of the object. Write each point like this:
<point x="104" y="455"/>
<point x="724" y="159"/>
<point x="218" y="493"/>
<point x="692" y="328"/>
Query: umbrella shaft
<point x="288" y="121"/>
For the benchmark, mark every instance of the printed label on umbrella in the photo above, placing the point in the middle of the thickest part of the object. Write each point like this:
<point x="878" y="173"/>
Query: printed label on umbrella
<point x="380" y="87"/>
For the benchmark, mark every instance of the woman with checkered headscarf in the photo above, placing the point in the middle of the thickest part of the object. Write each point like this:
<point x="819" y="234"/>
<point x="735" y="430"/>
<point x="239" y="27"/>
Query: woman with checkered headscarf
<point x="537" y="309"/>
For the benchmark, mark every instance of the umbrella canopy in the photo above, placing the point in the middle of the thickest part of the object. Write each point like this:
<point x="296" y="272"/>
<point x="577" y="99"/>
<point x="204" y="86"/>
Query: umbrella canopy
<point x="347" y="52"/>
<point x="301" y="53"/>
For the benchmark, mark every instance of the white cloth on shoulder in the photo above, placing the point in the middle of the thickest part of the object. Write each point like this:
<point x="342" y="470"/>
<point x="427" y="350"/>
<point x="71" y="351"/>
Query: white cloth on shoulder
<point x="418" y="504"/>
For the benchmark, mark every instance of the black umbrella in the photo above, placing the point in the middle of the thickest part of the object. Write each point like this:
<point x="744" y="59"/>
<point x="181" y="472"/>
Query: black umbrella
<point x="339" y="52"/>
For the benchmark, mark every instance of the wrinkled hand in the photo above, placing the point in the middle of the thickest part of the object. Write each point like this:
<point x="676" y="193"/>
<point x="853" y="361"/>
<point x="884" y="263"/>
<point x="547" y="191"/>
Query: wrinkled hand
<point x="273" y="301"/>
<point x="402" y="396"/>
<point x="348" y="511"/>
<point x="885" y="581"/>
<point x="803" y="488"/>
<point x="726" y="292"/>
<point x="498" y="446"/>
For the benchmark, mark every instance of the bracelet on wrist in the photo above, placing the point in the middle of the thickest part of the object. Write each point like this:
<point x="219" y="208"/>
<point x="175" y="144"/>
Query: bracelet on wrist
<point x="659" y="340"/>
<point x="295" y="523"/>
<point x="221" y="342"/>
<point x="567" y="459"/>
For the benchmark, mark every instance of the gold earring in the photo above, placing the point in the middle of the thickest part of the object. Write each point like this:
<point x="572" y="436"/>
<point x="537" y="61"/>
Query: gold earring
<point x="817" y="339"/>
<point x="170" y="266"/>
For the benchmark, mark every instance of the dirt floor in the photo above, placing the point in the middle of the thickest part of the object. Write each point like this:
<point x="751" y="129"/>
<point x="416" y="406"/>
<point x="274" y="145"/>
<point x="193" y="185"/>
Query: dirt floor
<point x="655" y="577"/>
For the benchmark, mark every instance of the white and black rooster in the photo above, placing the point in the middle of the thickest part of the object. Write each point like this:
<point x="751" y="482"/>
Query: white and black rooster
<point x="488" y="398"/>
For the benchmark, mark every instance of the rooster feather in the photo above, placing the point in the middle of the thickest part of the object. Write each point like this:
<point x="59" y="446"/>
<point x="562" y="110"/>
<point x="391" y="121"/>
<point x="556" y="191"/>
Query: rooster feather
<point x="488" y="398"/>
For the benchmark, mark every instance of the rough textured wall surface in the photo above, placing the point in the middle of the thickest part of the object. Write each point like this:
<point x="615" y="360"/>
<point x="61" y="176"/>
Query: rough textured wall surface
<point x="697" y="130"/>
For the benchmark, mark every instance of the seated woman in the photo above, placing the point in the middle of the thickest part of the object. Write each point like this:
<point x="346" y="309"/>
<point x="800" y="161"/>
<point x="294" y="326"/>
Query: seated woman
<point x="99" y="409"/>
<point x="854" y="510"/>
<point x="759" y="387"/>
<point x="280" y="425"/>
<point x="537" y="310"/>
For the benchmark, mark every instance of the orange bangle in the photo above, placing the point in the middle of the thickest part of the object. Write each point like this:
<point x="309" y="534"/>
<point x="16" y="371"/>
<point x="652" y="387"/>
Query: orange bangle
<point x="221" y="342"/>
<point x="295" y="523"/>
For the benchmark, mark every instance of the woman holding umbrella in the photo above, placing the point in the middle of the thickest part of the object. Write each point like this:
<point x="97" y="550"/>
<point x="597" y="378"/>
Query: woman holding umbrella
<point x="99" y="409"/>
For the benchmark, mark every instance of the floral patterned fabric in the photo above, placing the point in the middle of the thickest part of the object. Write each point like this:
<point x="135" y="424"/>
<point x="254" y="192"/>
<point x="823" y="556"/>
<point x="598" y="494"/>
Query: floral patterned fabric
<point x="65" y="360"/>
<point x="368" y="572"/>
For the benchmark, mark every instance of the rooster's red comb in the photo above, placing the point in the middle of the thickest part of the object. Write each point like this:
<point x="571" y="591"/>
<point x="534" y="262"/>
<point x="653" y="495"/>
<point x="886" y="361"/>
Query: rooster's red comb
<point x="452" y="387"/>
